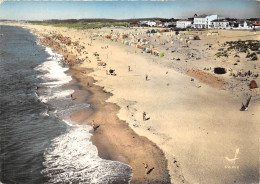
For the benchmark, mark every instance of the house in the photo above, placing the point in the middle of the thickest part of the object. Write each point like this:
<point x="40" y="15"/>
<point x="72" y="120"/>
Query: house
<point x="143" y="23"/>
<point x="151" y="23"/>
<point x="243" y="24"/>
<point x="220" y="24"/>
<point x="204" y="21"/>
<point x="183" y="23"/>
<point x="169" y="24"/>
<point x="148" y="23"/>
<point x="159" y="24"/>
<point x="256" y="25"/>
<point x="133" y="24"/>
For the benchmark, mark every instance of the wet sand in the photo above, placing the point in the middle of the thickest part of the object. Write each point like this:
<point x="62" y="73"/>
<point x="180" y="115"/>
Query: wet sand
<point x="114" y="139"/>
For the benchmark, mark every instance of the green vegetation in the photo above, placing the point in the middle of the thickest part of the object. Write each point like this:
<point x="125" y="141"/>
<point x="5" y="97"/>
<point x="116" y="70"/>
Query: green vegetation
<point x="82" y="25"/>
<point x="219" y="54"/>
<point x="243" y="46"/>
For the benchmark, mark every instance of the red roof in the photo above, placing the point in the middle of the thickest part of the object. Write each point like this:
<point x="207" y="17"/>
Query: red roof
<point x="133" y="22"/>
<point x="256" y="24"/>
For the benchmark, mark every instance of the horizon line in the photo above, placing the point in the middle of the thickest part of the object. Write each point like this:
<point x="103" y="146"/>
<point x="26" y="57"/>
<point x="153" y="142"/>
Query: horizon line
<point x="118" y="19"/>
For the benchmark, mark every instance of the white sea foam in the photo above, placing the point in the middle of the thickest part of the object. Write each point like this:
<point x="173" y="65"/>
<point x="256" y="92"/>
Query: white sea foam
<point x="45" y="113"/>
<point x="38" y="41"/>
<point x="71" y="157"/>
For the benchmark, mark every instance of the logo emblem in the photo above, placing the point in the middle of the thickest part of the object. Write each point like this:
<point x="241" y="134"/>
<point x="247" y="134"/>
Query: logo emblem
<point x="233" y="160"/>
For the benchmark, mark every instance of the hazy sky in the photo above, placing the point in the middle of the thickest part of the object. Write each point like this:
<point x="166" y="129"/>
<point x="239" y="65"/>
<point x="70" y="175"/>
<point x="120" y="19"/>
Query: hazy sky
<point x="42" y="10"/>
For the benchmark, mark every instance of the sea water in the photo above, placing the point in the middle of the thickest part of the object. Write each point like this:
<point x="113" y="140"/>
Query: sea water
<point x="38" y="141"/>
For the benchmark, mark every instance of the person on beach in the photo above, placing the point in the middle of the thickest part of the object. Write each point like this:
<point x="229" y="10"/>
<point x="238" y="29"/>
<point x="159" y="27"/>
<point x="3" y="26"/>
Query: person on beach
<point x="146" y="167"/>
<point x="37" y="87"/>
<point x="71" y="99"/>
<point x="146" y="77"/>
<point x="144" y="116"/>
<point x="93" y="124"/>
<point x="95" y="127"/>
<point x="129" y="68"/>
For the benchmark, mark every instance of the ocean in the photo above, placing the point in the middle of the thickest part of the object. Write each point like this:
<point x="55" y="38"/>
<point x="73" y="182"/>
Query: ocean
<point x="38" y="141"/>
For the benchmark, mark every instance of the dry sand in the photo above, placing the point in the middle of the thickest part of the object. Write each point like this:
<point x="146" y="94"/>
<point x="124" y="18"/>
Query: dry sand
<point x="197" y="125"/>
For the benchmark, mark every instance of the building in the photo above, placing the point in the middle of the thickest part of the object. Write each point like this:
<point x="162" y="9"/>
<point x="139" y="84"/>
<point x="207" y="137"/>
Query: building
<point x="143" y="23"/>
<point x="256" y="26"/>
<point x="151" y="23"/>
<point x="169" y="24"/>
<point x="159" y="24"/>
<point x="183" y="23"/>
<point x="243" y="24"/>
<point x="220" y="24"/>
<point x="133" y="24"/>
<point x="204" y="21"/>
<point x="148" y="23"/>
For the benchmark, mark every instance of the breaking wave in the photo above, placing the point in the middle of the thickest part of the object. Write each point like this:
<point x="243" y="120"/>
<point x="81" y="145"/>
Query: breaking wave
<point x="72" y="157"/>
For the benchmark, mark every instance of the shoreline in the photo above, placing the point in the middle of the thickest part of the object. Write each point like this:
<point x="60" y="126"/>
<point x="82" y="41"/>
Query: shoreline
<point x="196" y="126"/>
<point x="103" y="114"/>
<point x="147" y="152"/>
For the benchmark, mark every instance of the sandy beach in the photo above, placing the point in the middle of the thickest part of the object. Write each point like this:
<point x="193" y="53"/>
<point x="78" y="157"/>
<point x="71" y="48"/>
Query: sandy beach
<point x="193" y="130"/>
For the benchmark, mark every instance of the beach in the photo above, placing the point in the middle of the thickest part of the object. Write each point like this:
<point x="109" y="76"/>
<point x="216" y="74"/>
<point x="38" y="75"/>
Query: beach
<point x="171" y="112"/>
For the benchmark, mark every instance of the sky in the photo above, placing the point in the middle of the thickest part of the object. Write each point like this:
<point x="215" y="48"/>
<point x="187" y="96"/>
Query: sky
<point x="44" y="10"/>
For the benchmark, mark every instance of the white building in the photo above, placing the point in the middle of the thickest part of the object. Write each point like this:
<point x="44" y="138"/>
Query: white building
<point x="159" y="24"/>
<point x="183" y="23"/>
<point x="245" y="25"/>
<point x="169" y="24"/>
<point x="204" y="21"/>
<point x="220" y="24"/>
<point x="151" y="23"/>
<point x="143" y="23"/>
<point x="148" y="23"/>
